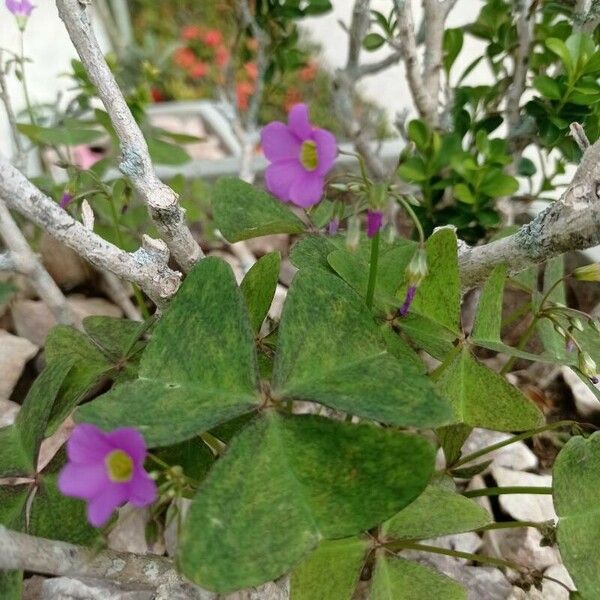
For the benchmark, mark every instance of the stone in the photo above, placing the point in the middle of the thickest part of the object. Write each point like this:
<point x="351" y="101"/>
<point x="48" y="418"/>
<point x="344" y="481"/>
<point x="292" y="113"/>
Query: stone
<point x="515" y="456"/>
<point x="585" y="400"/>
<point x="15" y="352"/>
<point x="522" y="546"/>
<point x="33" y="319"/>
<point x="8" y="412"/>
<point x="63" y="264"/>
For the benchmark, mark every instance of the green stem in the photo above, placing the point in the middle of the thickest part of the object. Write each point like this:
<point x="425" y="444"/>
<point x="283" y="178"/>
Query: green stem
<point x="373" y="269"/>
<point x="516" y="438"/>
<point x="511" y="525"/>
<point x="480" y="558"/>
<point x="516" y="489"/>
<point x="508" y="365"/>
<point x="413" y="216"/>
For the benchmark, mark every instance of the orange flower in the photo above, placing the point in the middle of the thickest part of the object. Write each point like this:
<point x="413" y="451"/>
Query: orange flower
<point x="222" y="56"/>
<point x="213" y="38"/>
<point x="191" y="32"/>
<point x="309" y="72"/>
<point x="244" y="90"/>
<point x="251" y="70"/>
<point x="292" y="97"/>
<point x="198" y="70"/>
<point x="184" y="57"/>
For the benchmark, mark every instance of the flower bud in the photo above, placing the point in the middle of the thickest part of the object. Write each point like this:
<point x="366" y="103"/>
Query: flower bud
<point x="560" y="330"/>
<point x="594" y="325"/>
<point x="353" y="233"/>
<point x="576" y="324"/>
<point x="417" y="268"/>
<point x="587" y="365"/>
<point x="588" y="273"/>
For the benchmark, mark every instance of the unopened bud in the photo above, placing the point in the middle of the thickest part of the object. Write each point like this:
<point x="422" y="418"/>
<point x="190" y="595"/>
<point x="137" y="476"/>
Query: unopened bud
<point x="588" y="273"/>
<point x="560" y="331"/>
<point x="587" y="365"/>
<point x="577" y="324"/>
<point x="353" y="233"/>
<point x="594" y="325"/>
<point x="417" y="268"/>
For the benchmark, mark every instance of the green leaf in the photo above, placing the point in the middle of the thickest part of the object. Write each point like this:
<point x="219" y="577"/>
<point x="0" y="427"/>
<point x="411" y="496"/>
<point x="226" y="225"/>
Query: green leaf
<point x="165" y="153"/>
<point x="117" y="338"/>
<point x="438" y="296"/>
<point x="576" y="491"/>
<point x="488" y="319"/>
<point x="242" y="211"/>
<point x="11" y="585"/>
<point x="436" y="512"/>
<point x="312" y="251"/>
<point x="396" y="578"/>
<point x="453" y="43"/>
<point x="90" y="365"/>
<point x="258" y="287"/>
<point x="553" y="342"/>
<point x="548" y="87"/>
<point x="482" y="398"/>
<point x="413" y="169"/>
<point x="428" y="335"/>
<point x="526" y="168"/>
<point x="373" y="41"/>
<point x="57" y="517"/>
<point x="330" y="351"/>
<point x="581" y="47"/>
<point x="13" y="500"/>
<point x="452" y="439"/>
<point x="19" y="443"/>
<point x="331" y="572"/>
<point x="199" y="368"/>
<point x="419" y="133"/>
<point x="496" y="184"/>
<point x="463" y="193"/>
<point x="286" y="483"/>
<point x="67" y="134"/>
<point x="560" y="49"/>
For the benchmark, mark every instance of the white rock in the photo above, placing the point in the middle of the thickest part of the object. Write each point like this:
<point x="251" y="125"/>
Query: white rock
<point x="8" y="412"/>
<point x="65" y="588"/>
<point x="525" y="507"/>
<point x="521" y="546"/>
<point x="483" y="583"/>
<point x="170" y="534"/>
<point x="555" y="591"/>
<point x="15" y="352"/>
<point x="585" y="400"/>
<point x="33" y="319"/>
<point x="129" y="533"/>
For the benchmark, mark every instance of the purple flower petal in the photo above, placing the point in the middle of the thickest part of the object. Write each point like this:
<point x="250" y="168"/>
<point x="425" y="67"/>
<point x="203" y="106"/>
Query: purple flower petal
<point x="307" y="189"/>
<point x="326" y="150"/>
<point x="20" y="8"/>
<point x="88" y="445"/>
<point x="82" y="481"/>
<point x="299" y="122"/>
<point x="129" y="440"/>
<point x="374" y="222"/>
<point x="334" y="225"/>
<point x="408" y="300"/>
<point x="102" y="506"/>
<point x="280" y="176"/>
<point x="279" y="143"/>
<point x="66" y="200"/>
<point x="142" y="489"/>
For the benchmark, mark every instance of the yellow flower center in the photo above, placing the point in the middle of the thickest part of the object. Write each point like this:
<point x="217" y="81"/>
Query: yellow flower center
<point x="308" y="155"/>
<point x="119" y="466"/>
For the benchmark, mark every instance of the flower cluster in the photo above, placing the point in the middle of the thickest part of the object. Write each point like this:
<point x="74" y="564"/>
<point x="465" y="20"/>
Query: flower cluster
<point x="204" y="50"/>
<point x="106" y="470"/>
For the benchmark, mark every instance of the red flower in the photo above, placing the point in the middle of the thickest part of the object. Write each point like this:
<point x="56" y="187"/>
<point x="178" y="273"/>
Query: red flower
<point x="213" y="38"/>
<point x="222" y="56"/>
<point x="157" y="95"/>
<point x="309" y="72"/>
<point x="198" y="70"/>
<point x="251" y="70"/>
<point x="184" y="57"/>
<point x="244" y="90"/>
<point x="191" y="32"/>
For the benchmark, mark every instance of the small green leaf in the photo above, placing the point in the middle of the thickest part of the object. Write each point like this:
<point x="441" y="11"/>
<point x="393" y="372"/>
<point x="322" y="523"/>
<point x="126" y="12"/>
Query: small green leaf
<point x="13" y="500"/>
<point x="413" y="169"/>
<point x="331" y="572"/>
<point x="559" y="48"/>
<point x="258" y="287"/>
<point x="576" y="491"/>
<point x="265" y="504"/>
<point x="242" y="212"/>
<point x="482" y="398"/>
<point x="496" y="184"/>
<point x="548" y="87"/>
<point x="373" y="41"/>
<point x="11" y="585"/>
<point x="330" y="351"/>
<point x="165" y="153"/>
<point x="463" y="193"/>
<point x="488" y="319"/>
<point x="436" y="512"/>
<point x="553" y="342"/>
<point x="199" y="367"/>
<point x="453" y="43"/>
<point x="396" y="578"/>
<point x="68" y="134"/>
<point x="419" y="133"/>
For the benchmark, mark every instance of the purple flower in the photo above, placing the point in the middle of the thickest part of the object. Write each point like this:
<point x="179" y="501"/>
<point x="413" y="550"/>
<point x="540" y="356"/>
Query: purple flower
<point x="594" y="380"/>
<point x="107" y="470"/>
<point x="374" y="222"/>
<point x="300" y="155"/>
<point x="66" y="200"/>
<point x="21" y="9"/>
<point x="408" y="300"/>
<point x="334" y="225"/>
